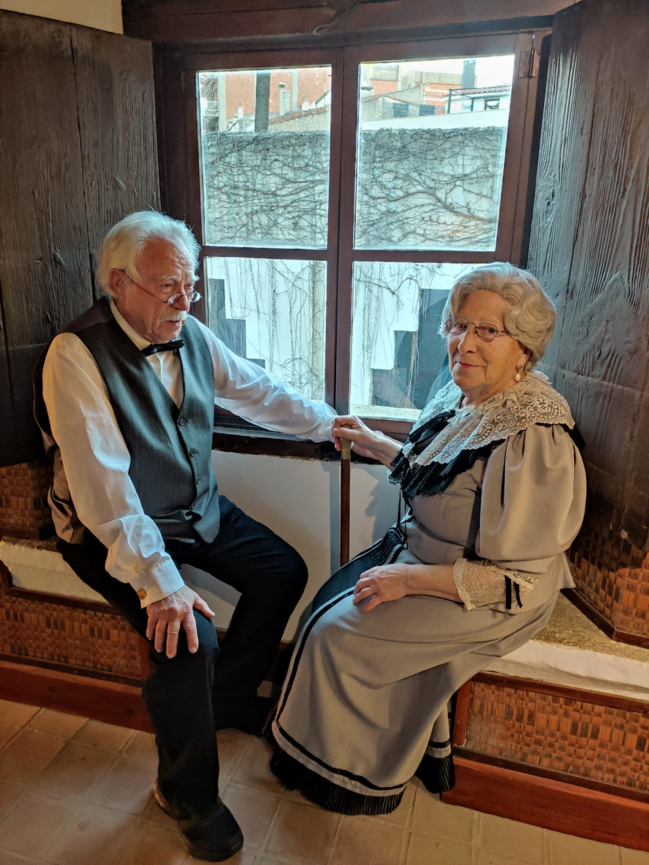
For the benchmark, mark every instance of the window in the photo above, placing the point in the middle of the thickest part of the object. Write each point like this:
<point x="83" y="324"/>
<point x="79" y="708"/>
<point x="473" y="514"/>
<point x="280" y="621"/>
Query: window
<point x="338" y="193"/>
<point x="265" y="157"/>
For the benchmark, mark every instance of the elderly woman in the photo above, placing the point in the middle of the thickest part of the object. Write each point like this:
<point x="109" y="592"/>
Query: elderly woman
<point x="496" y="489"/>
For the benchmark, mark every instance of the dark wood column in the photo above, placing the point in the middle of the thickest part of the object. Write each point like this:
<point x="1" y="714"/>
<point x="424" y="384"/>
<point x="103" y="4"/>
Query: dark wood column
<point x="590" y="250"/>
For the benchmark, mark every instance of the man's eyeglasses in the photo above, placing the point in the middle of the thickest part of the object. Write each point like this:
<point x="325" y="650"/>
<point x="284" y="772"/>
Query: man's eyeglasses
<point x="486" y="332"/>
<point x="192" y="295"/>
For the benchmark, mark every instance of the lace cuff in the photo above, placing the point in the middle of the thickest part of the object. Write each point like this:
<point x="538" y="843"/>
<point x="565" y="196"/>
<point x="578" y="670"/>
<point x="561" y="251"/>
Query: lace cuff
<point x="480" y="583"/>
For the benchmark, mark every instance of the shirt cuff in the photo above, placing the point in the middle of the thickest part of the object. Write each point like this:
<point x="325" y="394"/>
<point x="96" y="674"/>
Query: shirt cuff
<point x="161" y="581"/>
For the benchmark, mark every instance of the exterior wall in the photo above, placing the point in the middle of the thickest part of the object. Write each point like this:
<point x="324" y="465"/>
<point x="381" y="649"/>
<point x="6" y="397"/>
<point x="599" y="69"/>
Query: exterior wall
<point x="101" y="14"/>
<point x="240" y="89"/>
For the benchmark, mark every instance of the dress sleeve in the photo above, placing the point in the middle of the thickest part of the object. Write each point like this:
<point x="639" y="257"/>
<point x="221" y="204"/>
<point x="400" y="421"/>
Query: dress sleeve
<point x="532" y="507"/>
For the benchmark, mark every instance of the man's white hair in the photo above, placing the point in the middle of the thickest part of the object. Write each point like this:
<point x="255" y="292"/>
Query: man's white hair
<point x="126" y="240"/>
<point x="531" y="317"/>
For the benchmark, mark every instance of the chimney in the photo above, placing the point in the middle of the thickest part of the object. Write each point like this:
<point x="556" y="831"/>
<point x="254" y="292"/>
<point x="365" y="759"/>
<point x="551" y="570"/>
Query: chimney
<point x="468" y="75"/>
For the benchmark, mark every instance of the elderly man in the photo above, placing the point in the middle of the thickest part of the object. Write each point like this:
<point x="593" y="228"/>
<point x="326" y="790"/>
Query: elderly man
<point x="126" y="411"/>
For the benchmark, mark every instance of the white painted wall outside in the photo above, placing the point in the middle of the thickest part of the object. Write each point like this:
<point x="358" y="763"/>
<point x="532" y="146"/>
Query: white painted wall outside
<point x="299" y="500"/>
<point x="100" y="14"/>
<point x="459" y="120"/>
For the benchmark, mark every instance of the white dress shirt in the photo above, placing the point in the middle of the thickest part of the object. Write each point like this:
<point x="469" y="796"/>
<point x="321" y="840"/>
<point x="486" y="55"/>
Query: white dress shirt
<point x="96" y="459"/>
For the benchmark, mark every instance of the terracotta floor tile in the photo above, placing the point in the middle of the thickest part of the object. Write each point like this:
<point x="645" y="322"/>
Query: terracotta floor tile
<point x="108" y="737"/>
<point x="512" y="839"/>
<point x="368" y="841"/>
<point x="57" y="723"/>
<point x="275" y="860"/>
<point x="16" y="714"/>
<point x="33" y="810"/>
<point x="432" y="817"/>
<point x="27" y="755"/>
<point x="143" y="747"/>
<point x="92" y="837"/>
<point x="253" y="810"/>
<point x="10" y="859"/>
<point x="7" y="733"/>
<point x="303" y="831"/>
<point x="127" y="786"/>
<point x="400" y="816"/>
<point x="148" y="844"/>
<point x="243" y="857"/>
<point x="569" y="849"/>
<point x="424" y="850"/>
<point x="254" y="770"/>
<point x="231" y="747"/>
<point x="634" y="857"/>
<point x="487" y="858"/>
<point x="155" y="814"/>
<point x="75" y="770"/>
<point x="8" y="795"/>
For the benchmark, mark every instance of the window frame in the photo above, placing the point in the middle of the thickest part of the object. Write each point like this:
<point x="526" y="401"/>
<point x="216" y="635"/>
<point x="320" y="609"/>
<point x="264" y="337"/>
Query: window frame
<point x="183" y="145"/>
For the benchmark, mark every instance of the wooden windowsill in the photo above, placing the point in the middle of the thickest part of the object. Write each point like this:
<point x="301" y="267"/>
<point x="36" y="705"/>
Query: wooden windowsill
<point x="252" y="440"/>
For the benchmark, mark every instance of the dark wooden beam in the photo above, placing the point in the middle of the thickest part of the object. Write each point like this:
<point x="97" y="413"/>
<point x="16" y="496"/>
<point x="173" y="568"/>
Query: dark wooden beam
<point x="551" y="804"/>
<point x="192" y="22"/>
<point x="102" y="700"/>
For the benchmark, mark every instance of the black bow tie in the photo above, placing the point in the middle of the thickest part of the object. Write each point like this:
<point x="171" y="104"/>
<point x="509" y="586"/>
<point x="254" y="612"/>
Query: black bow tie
<point x="155" y="347"/>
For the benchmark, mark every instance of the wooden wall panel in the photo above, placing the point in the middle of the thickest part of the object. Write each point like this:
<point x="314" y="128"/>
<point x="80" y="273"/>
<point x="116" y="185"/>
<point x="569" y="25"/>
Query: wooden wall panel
<point x="605" y="332"/>
<point x="563" y="156"/>
<point x="43" y="237"/>
<point x="590" y="249"/>
<point x="116" y="102"/>
<point x="77" y="153"/>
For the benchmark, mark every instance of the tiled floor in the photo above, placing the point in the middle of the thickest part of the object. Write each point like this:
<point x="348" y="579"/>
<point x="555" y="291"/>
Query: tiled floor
<point x="78" y="792"/>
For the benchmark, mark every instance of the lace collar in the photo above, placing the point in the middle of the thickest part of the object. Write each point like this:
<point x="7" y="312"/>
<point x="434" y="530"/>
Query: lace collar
<point x="526" y="403"/>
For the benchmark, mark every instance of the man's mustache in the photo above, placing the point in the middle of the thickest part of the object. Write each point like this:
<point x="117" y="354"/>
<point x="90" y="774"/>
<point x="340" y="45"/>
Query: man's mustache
<point x="179" y="315"/>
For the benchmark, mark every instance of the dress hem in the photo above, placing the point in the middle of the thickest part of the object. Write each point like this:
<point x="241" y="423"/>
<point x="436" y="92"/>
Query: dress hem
<point x="436" y="774"/>
<point x="295" y="776"/>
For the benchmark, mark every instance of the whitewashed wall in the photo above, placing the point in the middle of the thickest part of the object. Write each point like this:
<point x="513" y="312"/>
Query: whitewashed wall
<point x="299" y="500"/>
<point x="101" y="14"/>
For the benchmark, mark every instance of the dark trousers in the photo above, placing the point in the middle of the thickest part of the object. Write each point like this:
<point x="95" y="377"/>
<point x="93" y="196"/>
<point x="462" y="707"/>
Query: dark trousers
<point x="182" y="693"/>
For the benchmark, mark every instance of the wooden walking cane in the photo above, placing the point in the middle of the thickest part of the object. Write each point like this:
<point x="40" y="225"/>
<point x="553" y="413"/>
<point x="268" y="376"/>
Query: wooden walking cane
<point x="345" y="492"/>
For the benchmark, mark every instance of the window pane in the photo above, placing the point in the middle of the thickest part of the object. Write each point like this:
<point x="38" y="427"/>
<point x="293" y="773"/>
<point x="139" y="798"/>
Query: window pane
<point x="431" y="149"/>
<point x="265" y="156"/>
<point x="398" y="359"/>
<point x="272" y="312"/>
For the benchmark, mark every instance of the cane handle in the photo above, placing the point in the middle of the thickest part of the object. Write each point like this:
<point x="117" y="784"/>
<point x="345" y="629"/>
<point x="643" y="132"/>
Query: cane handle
<point x="345" y="446"/>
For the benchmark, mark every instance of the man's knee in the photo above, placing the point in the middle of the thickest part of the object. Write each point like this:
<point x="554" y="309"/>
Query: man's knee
<point x="295" y="574"/>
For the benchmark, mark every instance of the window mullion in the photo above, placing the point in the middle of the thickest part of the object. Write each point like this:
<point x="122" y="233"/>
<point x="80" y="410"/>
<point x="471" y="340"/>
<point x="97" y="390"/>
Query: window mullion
<point x="349" y="113"/>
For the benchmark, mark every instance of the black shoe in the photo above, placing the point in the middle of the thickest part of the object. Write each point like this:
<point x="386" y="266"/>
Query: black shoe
<point x="249" y="714"/>
<point x="215" y="838"/>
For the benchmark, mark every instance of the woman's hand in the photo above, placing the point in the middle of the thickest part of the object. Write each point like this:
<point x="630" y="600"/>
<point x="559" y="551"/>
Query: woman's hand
<point x="367" y="442"/>
<point x="360" y="434"/>
<point x="380" y="585"/>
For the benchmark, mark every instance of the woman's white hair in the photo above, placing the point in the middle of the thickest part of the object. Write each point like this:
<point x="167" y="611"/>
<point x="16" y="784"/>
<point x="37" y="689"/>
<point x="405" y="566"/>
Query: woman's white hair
<point x="532" y="316"/>
<point x="125" y="241"/>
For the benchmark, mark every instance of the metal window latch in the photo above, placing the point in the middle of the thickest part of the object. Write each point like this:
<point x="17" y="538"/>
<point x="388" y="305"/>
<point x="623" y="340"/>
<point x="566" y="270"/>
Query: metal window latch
<point x="529" y="64"/>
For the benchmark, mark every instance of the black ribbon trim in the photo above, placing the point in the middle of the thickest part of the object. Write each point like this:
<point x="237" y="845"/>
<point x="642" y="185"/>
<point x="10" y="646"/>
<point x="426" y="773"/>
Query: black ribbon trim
<point x="434" y="478"/>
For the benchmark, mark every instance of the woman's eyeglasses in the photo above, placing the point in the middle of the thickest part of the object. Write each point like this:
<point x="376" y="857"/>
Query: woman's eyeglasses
<point x="486" y="332"/>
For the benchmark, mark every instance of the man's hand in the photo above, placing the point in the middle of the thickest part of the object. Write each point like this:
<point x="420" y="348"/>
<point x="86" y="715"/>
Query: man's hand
<point x="167" y="616"/>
